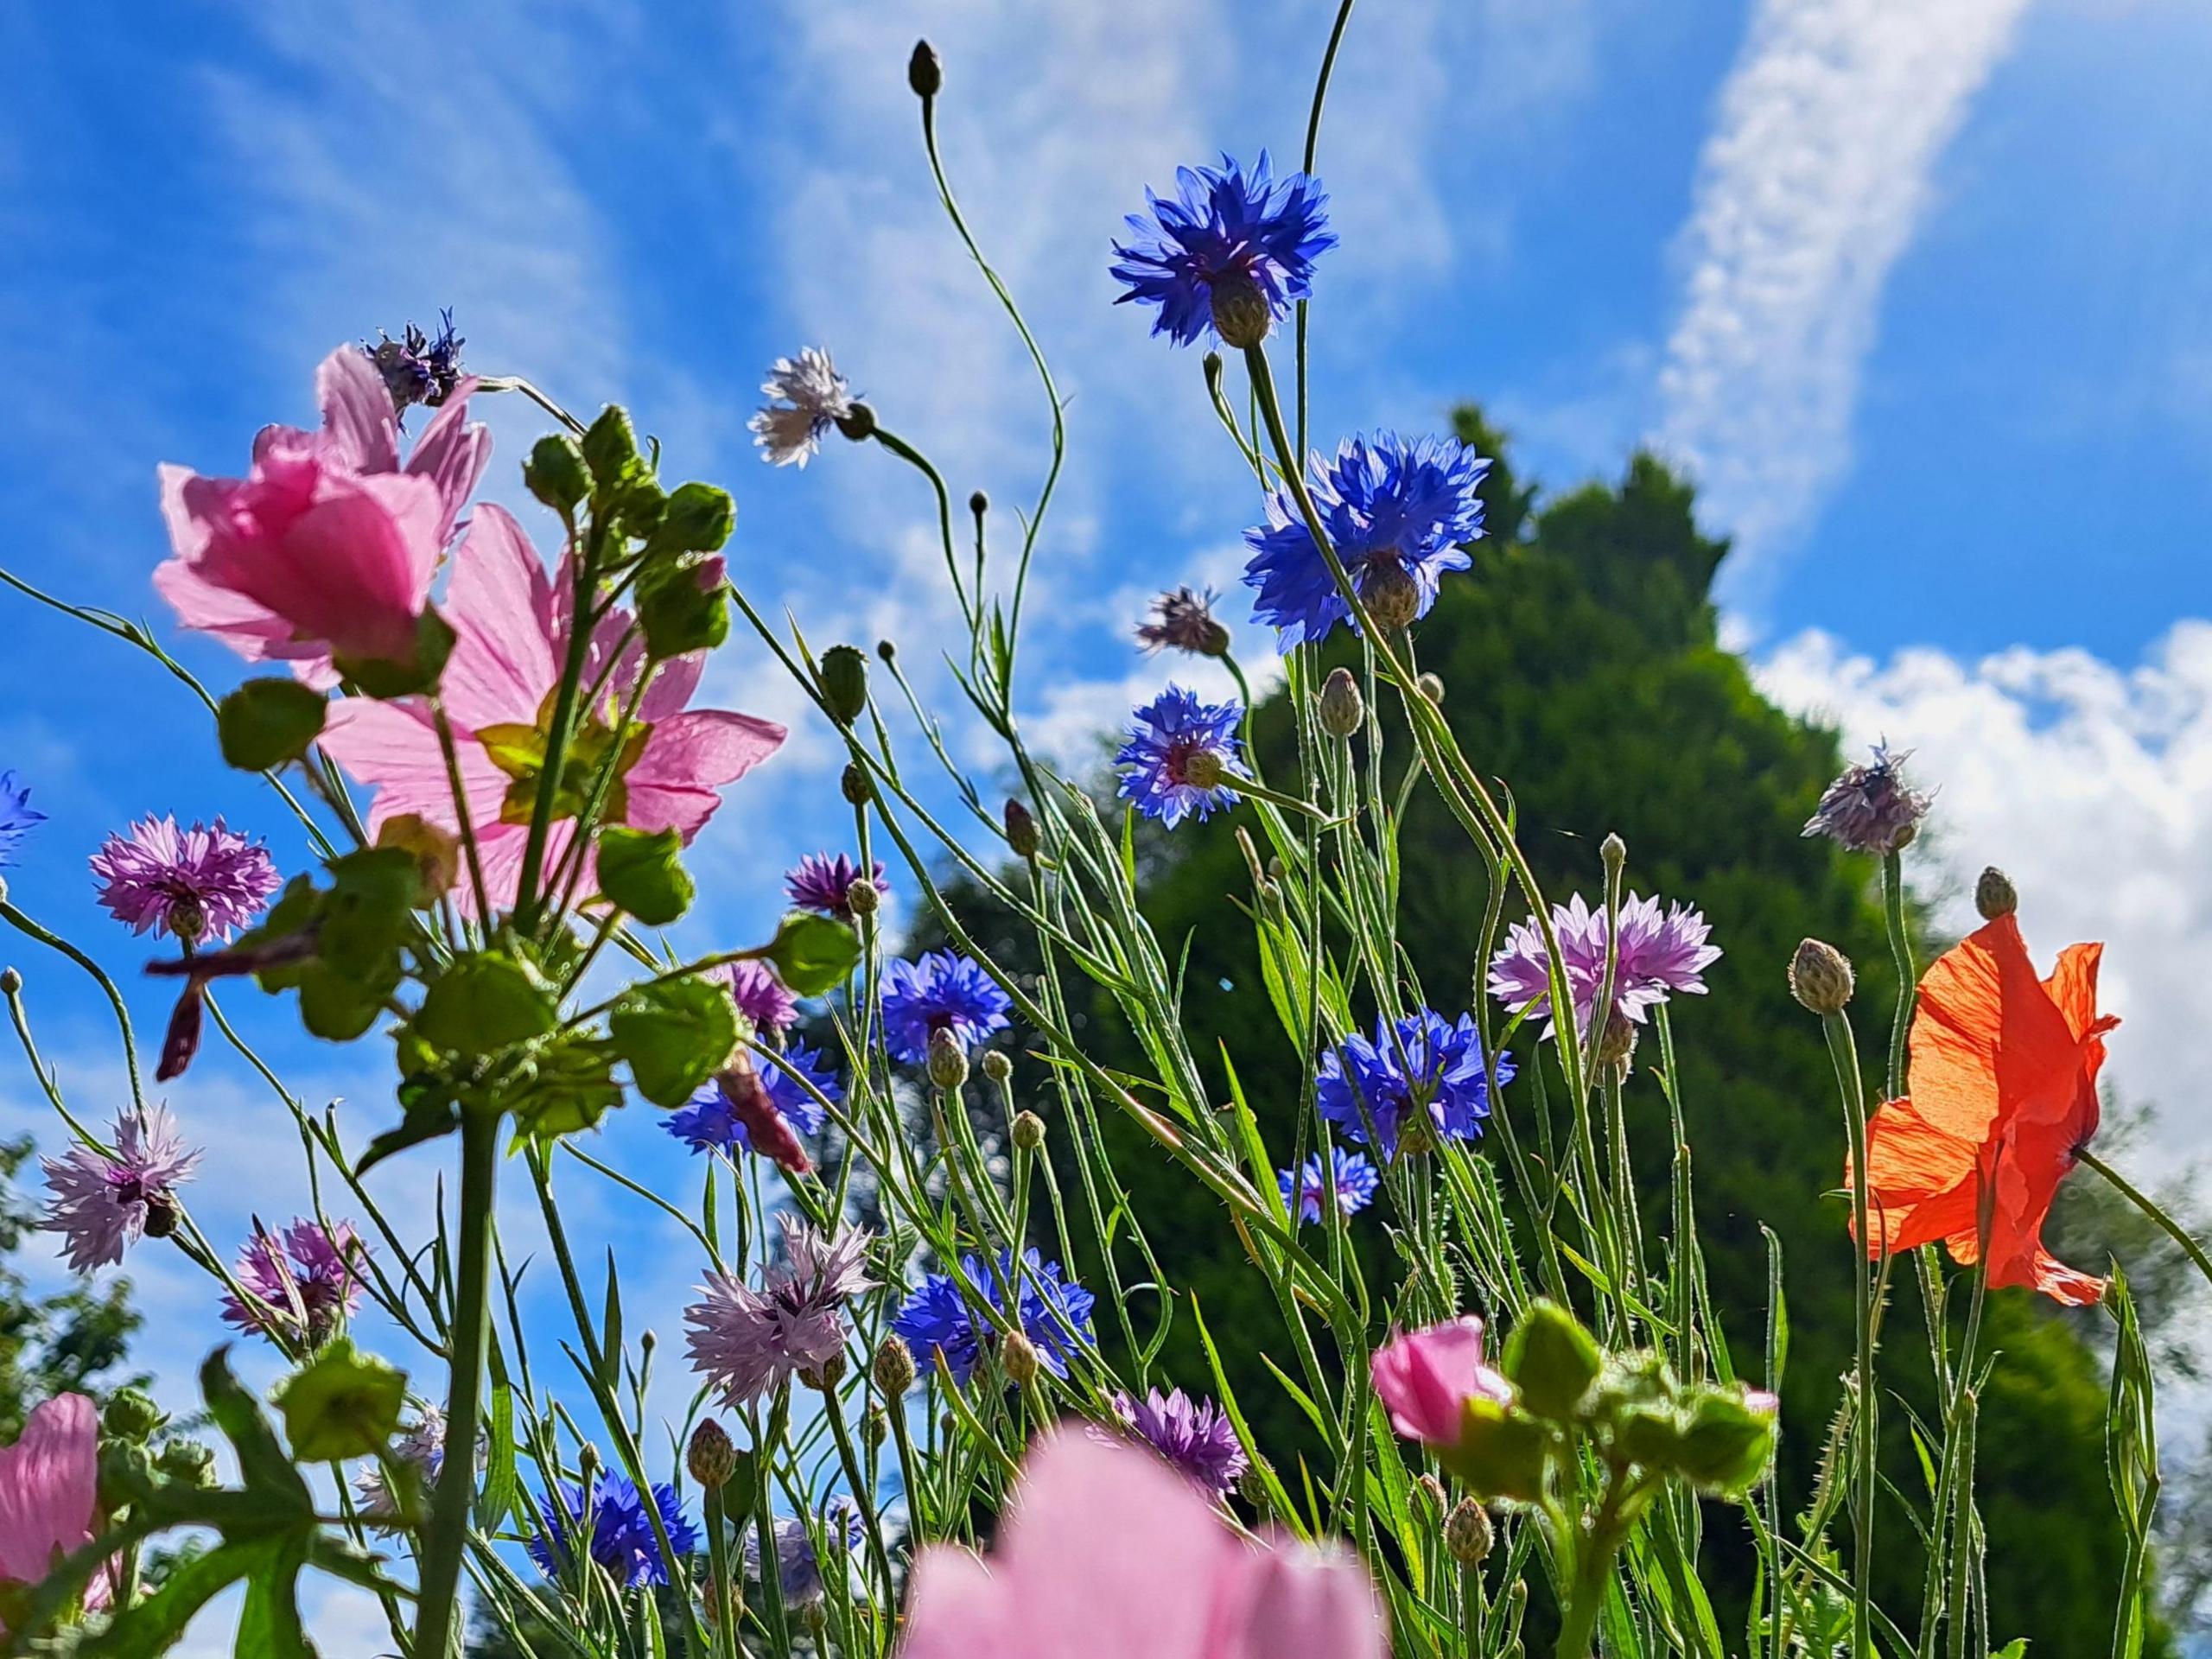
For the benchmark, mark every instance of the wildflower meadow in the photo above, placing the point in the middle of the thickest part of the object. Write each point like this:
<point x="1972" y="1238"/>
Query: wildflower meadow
<point x="1041" y="1311"/>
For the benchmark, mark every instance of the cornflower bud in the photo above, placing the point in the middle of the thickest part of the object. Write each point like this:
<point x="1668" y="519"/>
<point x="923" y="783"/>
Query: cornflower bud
<point x="1819" y="977"/>
<point x="1020" y="830"/>
<point x="1391" y="596"/>
<point x="947" y="1061"/>
<point x="1617" y="1046"/>
<point x="1241" y="315"/>
<point x="1029" y="1131"/>
<point x="710" y="1458"/>
<point x="1614" y="851"/>
<point x="828" y="1375"/>
<point x="979" y="503"/>
<point x="10" y="981"/>
<point x="1341" y="708"/>
<point x="853" y="786"/>
<point x="844" y="682"/>
<point x="1431" y="687"/>
<point x="894" y="1367"/>
<point x="862" y="897"/>
<point x="875" y="1427"/>
<point x="1995" y="894"/>
<point x="1017" y="1356"/>
<point x="1433" y="1490"/>
<point x="997" y="1066"/>
<point x="1468" y="1533"/>
<point x="857" y="422"/>
<point x="925" y="74"/>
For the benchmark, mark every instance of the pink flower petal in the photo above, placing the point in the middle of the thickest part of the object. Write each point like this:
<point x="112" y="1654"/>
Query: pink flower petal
<point x="1425" y="1377"/>
<point x="452" y="453"/>
<point x="705" y="747"/>
<point x="358" y="417"/>
<point x="500" y="607"/>
<point x="49" y="1486"/>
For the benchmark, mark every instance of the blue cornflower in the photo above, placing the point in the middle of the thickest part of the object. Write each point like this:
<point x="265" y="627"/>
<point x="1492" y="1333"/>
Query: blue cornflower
<point x="16" y="815"/>
<point x="1180" y="754"/>
<point x="706" y="1121"/>
<point x="1423" y="1063"/>
<point x="614" y="1528"/>
<point x="417" y="367"/>
<point x="936" y="1319"/>
<point x="942" y="991"/>
<point x="1395" y="509"/>
<point x="798" y="1570"/>
<point x="1231" y="254"/>
<point x="1354" y="1182"/>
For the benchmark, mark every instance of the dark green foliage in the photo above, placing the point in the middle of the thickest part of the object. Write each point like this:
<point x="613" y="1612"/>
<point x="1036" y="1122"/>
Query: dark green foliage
<point x="74" y="1342"/>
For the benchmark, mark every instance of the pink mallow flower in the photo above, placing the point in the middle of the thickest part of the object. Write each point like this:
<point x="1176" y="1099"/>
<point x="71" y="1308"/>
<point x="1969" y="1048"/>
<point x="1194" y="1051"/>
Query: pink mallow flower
<point x="49" y="1488"/>
<point x="511" y="630"/>
<point x="328" y="546"/>
<point x="1425" y="1379"/>
<point x="1108" y="1554"/>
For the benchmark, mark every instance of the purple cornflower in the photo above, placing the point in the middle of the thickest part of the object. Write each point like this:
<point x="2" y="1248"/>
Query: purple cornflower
<point x="936" y="1319"/>
<point x="1396" y="511"/>
<point x="1420" y="1066"/>
<point x="1661" y="951"/>
<point x="194" y="885"/>
<point x="17" y="816"/>
<point x="942" y="992"/>
<point x="1871" y="809"/>
<point x="419" y="368"/>
<point x="307" y="1276"/>
<point x="422" y="1448"/>
<point x="1228" y="255"/>
<point x="748" y="1342"/>
<point x="103" y="1204"/>
<point x="1194" y="1436"/>
<point x="612" y="1524"/>
<point x="1353" y="1182"/>
<point x="761" y="997"/>
<point x="707" y="1122"/>
<point x="806" y="394"/>
<point x="1181" y="756"/>
<point x="824" y="881"/>
<point x="1183" y="620"/>
<point x="798" y="1569"/>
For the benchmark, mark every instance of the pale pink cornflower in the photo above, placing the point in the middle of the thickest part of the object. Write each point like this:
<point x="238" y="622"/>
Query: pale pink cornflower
<point x="1662" y="949"/>
<point x="49" y="1494"/>
<point x="328" y="546"/>
<point x="198" y="884"/>
<point x="103" y="1204"/>
<point x="748" y="1342"/>
<point x="302" y="1279"/>
<point x="511" y="626"/>
<point x="806" y="395"/>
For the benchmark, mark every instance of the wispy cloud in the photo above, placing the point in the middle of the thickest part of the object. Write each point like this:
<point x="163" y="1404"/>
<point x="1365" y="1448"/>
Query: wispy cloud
<point x="1816" y="172"/>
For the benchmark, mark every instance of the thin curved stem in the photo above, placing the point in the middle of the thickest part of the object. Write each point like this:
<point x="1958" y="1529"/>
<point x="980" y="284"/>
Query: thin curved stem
<point x="2150" y="1207"/>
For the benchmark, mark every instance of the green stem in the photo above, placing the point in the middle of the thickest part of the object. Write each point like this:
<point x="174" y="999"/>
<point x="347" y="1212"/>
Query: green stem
<point x="456" y="1489"/>
<point x="2149" y="1206"/>
<point x="1845" y="1054"/>
<point x="1908" y="974"/>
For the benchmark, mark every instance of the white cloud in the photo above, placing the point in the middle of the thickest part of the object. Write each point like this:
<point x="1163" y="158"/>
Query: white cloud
<point x="1813" y="180"/>
<point x="2091" y="784"/>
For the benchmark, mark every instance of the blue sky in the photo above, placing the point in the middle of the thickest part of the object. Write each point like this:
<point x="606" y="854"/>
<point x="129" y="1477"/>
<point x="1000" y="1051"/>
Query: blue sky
<point x="1922" y="294"/>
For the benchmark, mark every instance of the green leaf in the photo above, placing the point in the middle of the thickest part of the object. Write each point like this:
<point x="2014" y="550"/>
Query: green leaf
<point x="675" y="1035"/>
<point x="642" y="871"/>
<point x="154" y="1625"/>
<point x="265" y="723"/>
<point x="266" y="1472"/>
<point x="811" y="953"/>
<point x="429" y="1109"/>
<point x="483" y="1004"/>
<point x="342" y="1403"/>
<point x="269" y="1620"/>
<point x="697" y="519"/>
<point x="498" y="1496"/>
<point x="569" y="1085"/>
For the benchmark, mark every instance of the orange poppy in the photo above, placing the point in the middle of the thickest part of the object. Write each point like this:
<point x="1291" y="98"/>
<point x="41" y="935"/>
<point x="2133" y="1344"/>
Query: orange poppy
<point x="2003" y="1091"/>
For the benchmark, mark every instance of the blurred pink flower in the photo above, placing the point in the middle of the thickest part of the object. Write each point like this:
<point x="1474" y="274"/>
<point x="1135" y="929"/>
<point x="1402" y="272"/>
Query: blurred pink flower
<point x="48" y="1491"/>
<point x="328" y="544"/>
<point x="1425" y="1379"/>
<point x="1108" y="1554"/>
<point x="511" y="626"/>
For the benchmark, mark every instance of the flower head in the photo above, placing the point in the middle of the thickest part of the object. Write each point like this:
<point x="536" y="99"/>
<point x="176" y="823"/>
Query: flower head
<point x="709" y="1122"/>
<point x="1368" y="1090"/>
<point x="17" y="816"/>
<point x="2003" y="1095"/>
<point x="1180" y="757"/>
<point x="941" y="992"/>
<point x="419" y="368"/>
<point x="1352" y="1181"/>
<point x="1230" y="245"/>
<point x="806" y="394"/>
<point x="937" y="1320"/>
<point x="799" y="1568"/>
<point x="1396" y="511"/>
<point x="824" y="882"/>
<point x="422" y="1448"/>
<point x="1103" y="1544"/>
<point x="1183" y="620"/>
<point x="747" y="1342"/>
<point x="612" y="1523"/>
<point x="761" y="997"/>
<point x="1194" y="1436"/>
<point x="194" y="885"/>
<point x="102" y="1205"/>
<point x="1662" y="950"/>
<point x="49" y="1491"/>
<point x="1871" y="807"/>
<point x="1425" y="1379"/>
<point x="302" y="1279"/>
<point x="328" y="544"/>
<point x="511" y="635"/>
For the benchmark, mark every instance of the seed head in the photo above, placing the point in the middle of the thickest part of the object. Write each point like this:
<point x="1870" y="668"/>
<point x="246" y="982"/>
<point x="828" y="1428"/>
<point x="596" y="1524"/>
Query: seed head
<point x="863" y="896"/>
<point x="1820" y="977"/>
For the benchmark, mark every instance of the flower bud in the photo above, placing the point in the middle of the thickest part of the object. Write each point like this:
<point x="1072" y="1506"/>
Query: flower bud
<point x="1994" y="895"/>
<point x="1431" y="687"/>
<point x="1468" y="1533"/>
<point x="1617" y="1046"/>
<point x="1252" y="1484"/>
<point x="1342" y="709"/>
<point x="862" y="897"/>
<point x="1819" y="977"/>
<point x="854" y="785"/>
<point x="925" y="74"/>
<point x="1431" y="1490"/>
<point x="1613" y="851"/>
<point x="1029" y="1131"/>
<point x="1391" y="595"/>
<point x="1018" y="1358"/>
<point x="1020" y="830"/>
<point x="710" y="1458"/>
<point x="979" y="503"/>
<point x="997" y="1066"/>
<point x="131" y="1414"/>
<point x="844" y="682"/>
<point x="1553" y="1361"/>
<point x="947" y="1061"/>
<point x="875" y="1427"/>
<point x="10" y="981"/>
<point x="857" y="422"/>
<point x="126" y="1472"/>
<point x="1240" y="314"/>
<point x="187" y="1462"/>
<point x="894" y="1367"/>
<point x="828" y="1375"/>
